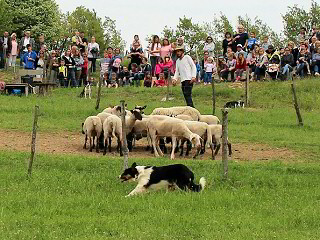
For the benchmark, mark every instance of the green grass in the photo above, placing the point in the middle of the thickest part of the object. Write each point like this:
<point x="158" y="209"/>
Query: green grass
<point x="70" y="197"/>
<point x="80" y="197"/>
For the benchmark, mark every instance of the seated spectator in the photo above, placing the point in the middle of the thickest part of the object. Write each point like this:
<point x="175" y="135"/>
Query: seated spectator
<point x="105" y="62"/>
<point x="229" y="51"/>
<point x="161" y="82"/>
<point x="287" y="62"/>
<point x="29" y="58"/>
<point x="209" y="46"/>
<point x="227" y="42"/>
<point x="158" y="67"/>
<point x="281" y="52"/>
<point x="265" y="44"/>
<point x="116" y="61"/>
<point x="261" y="65"/>
<point x="210" y="68"/>
<point x="303" y="62"/>
<point x="316" y="62"/>
<point x="302" y="35"/>
<point x="124" y="76"/>
<point x="270" y="51"/>
<point x="63" y="74"/>
<point x="240" y="50"/>
<point x="113" y="83"/>
<point x="252" y="41"/>
<point x="241" y="66"/>
<point x="230" y="68"/>
<point x="312" y="45"/>
<point x="147" y="80"/>
<point x="251" y="61"/>
<point x="146" y="67"/>
<point x="166" y="67"/>
<point x="221" y="66"/>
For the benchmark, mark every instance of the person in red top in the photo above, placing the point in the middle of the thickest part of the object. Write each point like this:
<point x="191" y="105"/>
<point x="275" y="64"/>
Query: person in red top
<point x="84" y="73"/>
<point x="241" y="66"/>
<point x="166" y="67"/>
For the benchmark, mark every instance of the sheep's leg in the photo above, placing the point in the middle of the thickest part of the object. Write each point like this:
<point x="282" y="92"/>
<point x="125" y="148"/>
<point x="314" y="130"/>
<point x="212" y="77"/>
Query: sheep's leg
<point x="90" y="144"/>
<point x="97" y="145"/>
<point x="181" y="147"/>
<point x="85" y="142"/>
<point x="105" y="145"/>
<point x="217" y="150"/>
<point x="93" y="146"/>
<point x="158" y="147"/>
<point x="212" y="150"/>
<point x="162" y="145"/>
<point x="178" y="146"/>
<point x="189" y="147"/>
<point x="110" y="141"/>
<point x="230" y="150"/>
<point x="154" y="142"/>
<point x="120" y="146"/>
<point x="203" y="147"/>
<point x="174" y="143"/>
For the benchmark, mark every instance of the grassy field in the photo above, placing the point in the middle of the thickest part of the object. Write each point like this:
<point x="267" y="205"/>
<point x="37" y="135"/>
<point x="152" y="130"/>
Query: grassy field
<point x="80" y="197"/>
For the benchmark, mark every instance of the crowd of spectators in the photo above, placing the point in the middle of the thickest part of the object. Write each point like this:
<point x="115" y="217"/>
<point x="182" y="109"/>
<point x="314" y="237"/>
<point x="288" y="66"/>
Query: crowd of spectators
<point x="67" y="62"/>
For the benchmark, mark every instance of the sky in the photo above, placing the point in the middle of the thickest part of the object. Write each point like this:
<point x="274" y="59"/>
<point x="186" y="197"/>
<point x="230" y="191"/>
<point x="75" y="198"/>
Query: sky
<point x="147" y="17"/>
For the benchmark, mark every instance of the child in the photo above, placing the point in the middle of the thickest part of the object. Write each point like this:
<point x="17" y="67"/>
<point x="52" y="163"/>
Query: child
<point x="241" y="66"/>
<point x="104" y="64"/>
<point x="265" y="43"/>
<point x="166" y="67"/>
<point x="161" y="82"/>
<point x="124" y="76"/>
<point x="147" y="80"/>
<point x="230" y="68"/>
<point x="136" y="40"/>
<point x="198" y="69"/>
<point x="113" y="83"/>
<point x="210" y="67"/>
<point x="63" y="74"/>
<point x="252" y="41"/>
<point x="158" y="67"/>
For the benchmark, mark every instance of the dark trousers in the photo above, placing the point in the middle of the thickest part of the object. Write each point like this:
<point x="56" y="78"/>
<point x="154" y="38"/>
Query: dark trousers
<point x="153" y="60"/>
<point x="186" y="87"/>
<point x="93" y="64"/>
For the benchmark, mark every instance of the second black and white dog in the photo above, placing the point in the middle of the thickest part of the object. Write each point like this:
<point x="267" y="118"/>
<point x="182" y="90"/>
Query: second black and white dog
<point x="154" y="178"/>
<point x="234" y="104"/>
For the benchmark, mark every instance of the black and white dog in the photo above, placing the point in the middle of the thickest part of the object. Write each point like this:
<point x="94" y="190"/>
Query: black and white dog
<point x="152" y="177"/>
<point x="86" y="91"/>
<point x="234" y="104"/>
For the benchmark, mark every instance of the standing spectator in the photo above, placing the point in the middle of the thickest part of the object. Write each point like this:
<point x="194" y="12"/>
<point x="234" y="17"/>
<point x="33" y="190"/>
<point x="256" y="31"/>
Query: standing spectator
<point x="302" y="35"/>
<point x="241" y="66"/>
<point x="93" y="53"/>
<point x="78" y="59"/>
<point x="154" y="50"/>
<point x="136" y="40"/>
<point x="187" y="71"/>
<point x="210" y="68"/>
<point x="84" y="72"/>
<point x="287" y="62"/>
<point x="63" y="74"/>
<point x="198" y="69"/>
<point x="252" y="41"/>
<point x="40" y="44"/>
<point x="204" y="61"/>
<point x="83" y="46"/>
<point x="165" y="49"/>
<point x="158" y="67"/>
<point x="179" y="44"/>
<point x="209" y="46"/>
<point x="265" y="44"/>
<point x="136" y="55"/>
<point x="76" y="39"/>
<point x="5" y="48"/>
<point x="70" y="64"/>
<point x="240" y="38"/>
<point x="105" y="63"/>
<point x="227" y="42"/>
<point x="294" y="50"/>
<point x="261" y="65"/>
<point x="14" y="50"/>
<point x="312" y="45"/>
<point x="53" y="67"/>
<point x="23" y="44"/>
<point x="40" y="62"/>
<point x="29" y="58"/>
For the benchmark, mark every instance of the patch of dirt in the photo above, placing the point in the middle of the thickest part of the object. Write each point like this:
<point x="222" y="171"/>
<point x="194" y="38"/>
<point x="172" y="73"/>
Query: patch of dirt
<point x="72" y="143"/>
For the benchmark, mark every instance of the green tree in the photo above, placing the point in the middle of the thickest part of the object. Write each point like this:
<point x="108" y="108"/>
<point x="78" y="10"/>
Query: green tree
<point x="6" y="18"/>
<point x="37" y="16"/>
<point x="112" y="36"/>
<point x="297" y="17"/>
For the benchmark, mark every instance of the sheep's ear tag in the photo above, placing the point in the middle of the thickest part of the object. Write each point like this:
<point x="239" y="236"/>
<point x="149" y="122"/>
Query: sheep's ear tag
<point x="133" y="165"/>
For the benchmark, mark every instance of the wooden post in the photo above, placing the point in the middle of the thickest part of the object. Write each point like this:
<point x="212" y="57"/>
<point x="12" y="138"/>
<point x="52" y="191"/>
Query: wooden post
<point x="225" y="142"/>
<point x="247" y="88"/>
<point x="33" y="141"/>
<point x="167" y="97"/>
<point x="213" y="98"/>
<point x="5" y="62"/>
<point x="124" y="136"/>
<point x="295" y="102"/>
<point x="99" y="93"/>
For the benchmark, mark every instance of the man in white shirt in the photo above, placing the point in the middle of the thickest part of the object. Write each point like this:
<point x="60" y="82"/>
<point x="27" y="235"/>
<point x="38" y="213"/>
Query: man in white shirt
<point x="187" y="71"/>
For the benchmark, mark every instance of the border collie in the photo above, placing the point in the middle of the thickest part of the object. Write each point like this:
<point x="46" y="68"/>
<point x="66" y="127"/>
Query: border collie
<point x="234" y="104"/>
<point x="152" y="177"/>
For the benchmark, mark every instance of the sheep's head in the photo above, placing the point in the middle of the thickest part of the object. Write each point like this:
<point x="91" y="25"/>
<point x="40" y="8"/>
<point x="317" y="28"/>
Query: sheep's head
<point x="136" y="114"/>
<point x="196" y="140"/>
<point x="140" y="108"/>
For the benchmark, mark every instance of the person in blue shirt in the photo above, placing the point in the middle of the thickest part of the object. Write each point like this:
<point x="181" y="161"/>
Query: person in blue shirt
<point x="29" y="58"/>
<point x="252" y="40"/>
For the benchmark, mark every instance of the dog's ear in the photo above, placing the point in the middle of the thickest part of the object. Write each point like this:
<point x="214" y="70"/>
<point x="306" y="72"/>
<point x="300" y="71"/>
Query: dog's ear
<point x="134" y="165"/>
<point x="144" y="107"/>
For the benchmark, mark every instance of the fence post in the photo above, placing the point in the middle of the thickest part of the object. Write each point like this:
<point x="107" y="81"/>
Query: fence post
<point x="33" y="140"/>
<point x="124" y="136"/>
<point x="295" y="103"/>
<point x="225" y="142"/>
<point x="213" y="98"/>
<point x="99" y="93"/>
<point x="247" y="88"/>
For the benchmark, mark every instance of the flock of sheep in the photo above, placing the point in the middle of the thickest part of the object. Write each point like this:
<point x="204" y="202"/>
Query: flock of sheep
<point x="175" y="124"/>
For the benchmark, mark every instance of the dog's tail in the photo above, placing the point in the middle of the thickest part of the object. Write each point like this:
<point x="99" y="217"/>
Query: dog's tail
<point x="200" y="187"/>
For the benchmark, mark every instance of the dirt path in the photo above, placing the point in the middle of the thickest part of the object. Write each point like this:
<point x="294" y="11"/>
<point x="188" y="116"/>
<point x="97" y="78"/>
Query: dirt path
<point x="72" y="143"/>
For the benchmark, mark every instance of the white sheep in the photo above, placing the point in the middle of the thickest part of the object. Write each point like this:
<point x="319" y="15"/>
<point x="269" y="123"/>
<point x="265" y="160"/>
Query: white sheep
<point x="184" y="117"/>
<point x="116" y="110"/>
<point x="92" y="127"/>
<point x="163" y="126"/>
<point x="209" y="119"/>
<point x="216" y="131"/>
<point x="174" y="111"/>
<point x="203" y="130"/>
<point x="139" y="131"/>
<point x="103" y="116"/>
<point x="112" y="127"/>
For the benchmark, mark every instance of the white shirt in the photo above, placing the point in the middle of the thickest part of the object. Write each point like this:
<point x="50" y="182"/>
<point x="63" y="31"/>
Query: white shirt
<point x="26" y="41"/>
<point x="155" y="48"/>
<point x="5" y="42"/>
<point x="185" y="69"/>
<point x="90" y="46"/>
